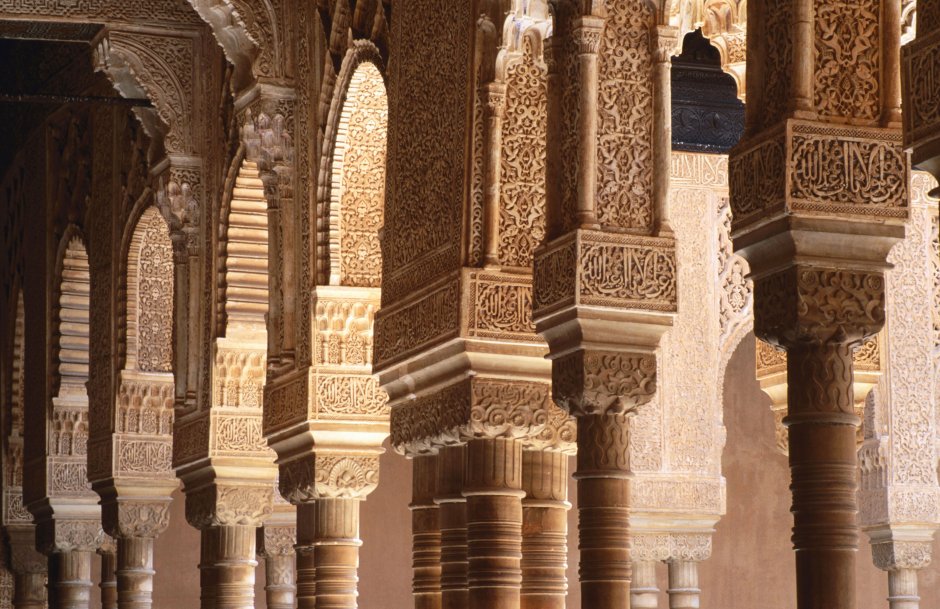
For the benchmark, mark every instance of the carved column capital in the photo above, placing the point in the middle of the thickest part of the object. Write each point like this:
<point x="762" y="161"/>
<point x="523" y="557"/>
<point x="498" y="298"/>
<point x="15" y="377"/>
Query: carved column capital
<point x="277" y="540"/>
<point x="494" y="96"/>
<point x="329" y="476"/>
<point x="892" y="555"/>
<point x="587" y="34"/>
<point x="590" y="382"/>
<point x="136" y="518"/>
<point x="216" y="505"/>
<point x="69" y="535"/>
<point x="805" y="304"/>
<point x="666" y="547"/>
<point x="24" y="557"/>
<point x="665" y="43"/>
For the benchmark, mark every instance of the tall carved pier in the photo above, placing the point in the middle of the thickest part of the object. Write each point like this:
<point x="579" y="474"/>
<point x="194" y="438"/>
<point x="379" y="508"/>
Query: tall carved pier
<point x="819" y="192"/>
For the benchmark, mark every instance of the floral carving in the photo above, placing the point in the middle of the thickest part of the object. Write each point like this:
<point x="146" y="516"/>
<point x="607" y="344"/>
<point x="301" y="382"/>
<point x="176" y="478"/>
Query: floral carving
<point x="625" y="117"/>
<point x="522" y="180"/>
<point x="801" y="305"/>
<point x="603" y="382"/>
<point x="848" y="59"/>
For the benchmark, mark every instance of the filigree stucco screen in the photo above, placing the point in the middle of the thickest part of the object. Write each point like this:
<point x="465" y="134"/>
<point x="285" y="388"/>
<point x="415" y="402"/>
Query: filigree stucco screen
<point x="149" y="309"/>
<point x="357" y="196"/>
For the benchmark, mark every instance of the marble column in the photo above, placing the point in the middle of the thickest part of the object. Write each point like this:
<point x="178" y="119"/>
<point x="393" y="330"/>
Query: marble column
<point x="493" y="489"/>
<point x="70" y="578"/>
<point x="644" y="592"/>
<point x="228" y="516"/>
<point x="108" y="582"/>
<point x="426" y="533"/>
<point x="453" y="519"/>
<point x="544" y="529"/>
<point x="683" y="588"/>
<point x="230" y="556"/>
<point x="276" y="540"/>
<point x="328" y="540"/>
<point x="601" y="316"/>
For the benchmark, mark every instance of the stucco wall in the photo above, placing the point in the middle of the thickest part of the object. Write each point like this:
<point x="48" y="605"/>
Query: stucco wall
<point x="751" y="566"/>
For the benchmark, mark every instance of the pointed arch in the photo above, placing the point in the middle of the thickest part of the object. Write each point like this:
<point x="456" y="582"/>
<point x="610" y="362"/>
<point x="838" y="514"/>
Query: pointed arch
<point x="353" y="199"/>
<point x="149" y="295"/>
<point x="73" y="299"/>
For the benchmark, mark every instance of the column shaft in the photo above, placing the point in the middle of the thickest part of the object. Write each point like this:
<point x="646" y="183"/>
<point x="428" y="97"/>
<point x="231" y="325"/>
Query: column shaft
<point x="279" y="584"/>
<point x="494" y="101"/>
<point x="71" y="579"/>
<point x="902" y="589"/>
<point x="29" y="591"/>
<point x="306" y="569"/>
<point x="494" y="523"/>
<point x="683" y="589"/>
<point x="453" y="520"/>
<point x="426" y="534"/>
<point x="232" y="559"/>
<point x="644" y="593"/>
<point x="336" y="557"/>
<point x="108" y="583"/>
<point x="822" y="430"/>
<point x="588" y="32"/>
<point x="544" y="529"/>
<point x="603" y="518"/>
<point x="135" y="572"/>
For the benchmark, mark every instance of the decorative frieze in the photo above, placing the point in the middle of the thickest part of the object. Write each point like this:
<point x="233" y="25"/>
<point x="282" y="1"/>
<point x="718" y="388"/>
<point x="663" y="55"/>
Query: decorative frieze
<point x="812" y="168"/>
<point x="607" y="270"/>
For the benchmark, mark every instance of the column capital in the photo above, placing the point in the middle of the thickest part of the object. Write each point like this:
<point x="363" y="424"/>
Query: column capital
<point x="277" y="540"/>
<point x="24" y="557"/>
<point x="228" y="505"/>
<point x="894" y="555"/>
<point x="136" y="518"/>
<point x="329" y="476"/>
<point x="665" y="43"/>
<point x="69" y="536"/>
<point x="813" y="305"/>
<point x="588" y="382"/>
<point x="670" y="547"/>
<point x="587" y="34"/>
